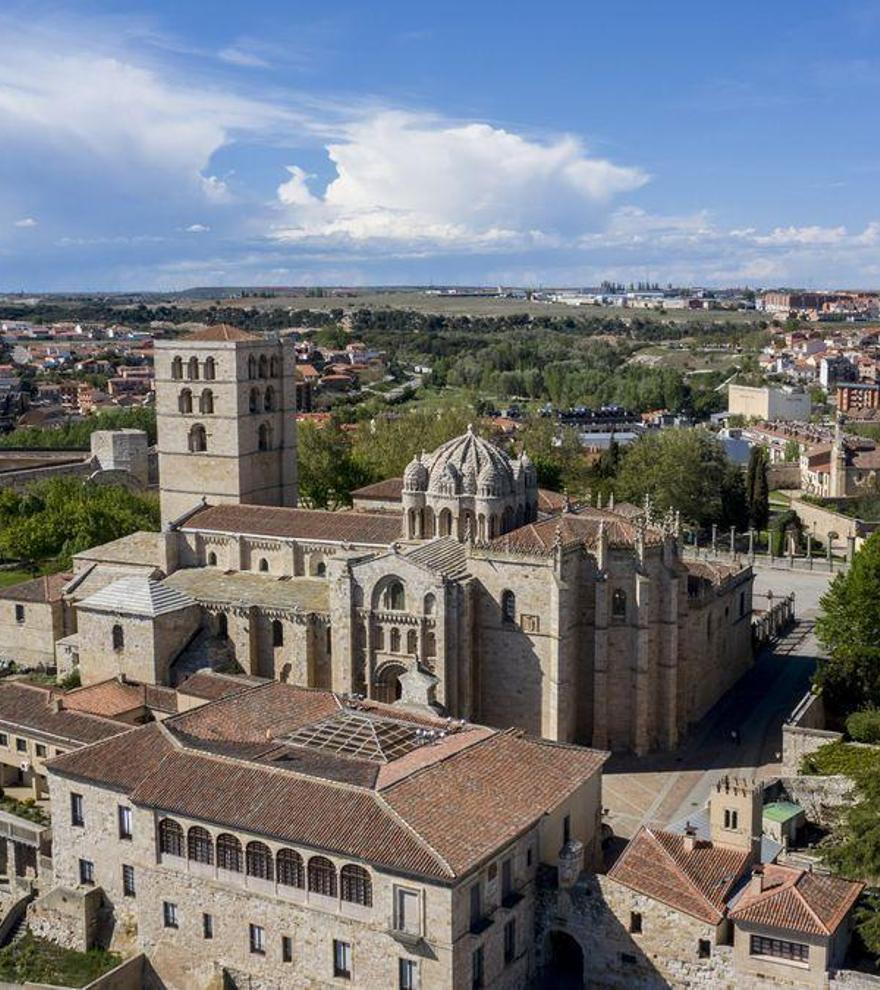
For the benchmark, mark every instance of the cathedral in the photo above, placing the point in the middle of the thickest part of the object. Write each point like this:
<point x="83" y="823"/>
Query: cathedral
<point x="461" y="586"/>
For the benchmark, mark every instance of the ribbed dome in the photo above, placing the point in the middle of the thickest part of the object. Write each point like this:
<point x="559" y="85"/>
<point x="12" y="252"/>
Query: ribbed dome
<point x="415" y="477"/>
<point x="469" y="456"/>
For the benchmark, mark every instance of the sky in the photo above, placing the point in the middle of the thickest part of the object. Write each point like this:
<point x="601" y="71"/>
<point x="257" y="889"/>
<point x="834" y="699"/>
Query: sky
<point x="174" y="143"/>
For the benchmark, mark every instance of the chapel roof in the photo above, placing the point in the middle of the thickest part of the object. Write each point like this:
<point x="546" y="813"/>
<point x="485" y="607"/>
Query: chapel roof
<point x="138" y="595"/>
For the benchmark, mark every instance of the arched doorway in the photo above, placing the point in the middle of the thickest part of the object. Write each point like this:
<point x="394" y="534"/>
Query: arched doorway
<point x="386" y="687"/>
<point x="565" y="962"/>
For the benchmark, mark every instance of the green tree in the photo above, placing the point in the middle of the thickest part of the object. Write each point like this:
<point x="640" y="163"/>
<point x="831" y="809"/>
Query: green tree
<point x="848" y="627"/>
<point x="685" y="470"/>
<point x="757" y="488"/>
<point x="328" y="473"/>
<point x="791" y="452"/>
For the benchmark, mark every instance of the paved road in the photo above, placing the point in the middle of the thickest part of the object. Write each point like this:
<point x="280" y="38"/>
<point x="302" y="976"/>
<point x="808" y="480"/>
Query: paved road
<point x="665" y="788"/>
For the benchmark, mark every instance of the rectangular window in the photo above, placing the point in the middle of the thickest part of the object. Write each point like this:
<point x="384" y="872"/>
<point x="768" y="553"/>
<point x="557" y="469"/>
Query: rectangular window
<point x="566" y="829"/>
<point x="704" y="949"/>
<point x="19" y="613"/>
<point x="4" y="739"/>
<point x="286" y="948"/>
<point x="207" y="926"/>
<point x="76" y="810"/>
<point x="477" y="969"/>
<point x="86" y="872"/>
<point x="510" y="942"/>
<point x="529" y="857"/>
<point x="21" y="745"/>
<point x="41" y="749"/>
<point x="506" y="879"/>
<point x="778" y="948"/>
<point x="169" y="914"/>
<point x="476" y="905"/>
<point x="128" y="880"/>
<point x="409" y="974"/>
<point x="124" y="822"/>
<point x="342" y="959"/>
<point x="635" y="922"/>
<point x="407" y="916"/>
<point x="258" y="940"/>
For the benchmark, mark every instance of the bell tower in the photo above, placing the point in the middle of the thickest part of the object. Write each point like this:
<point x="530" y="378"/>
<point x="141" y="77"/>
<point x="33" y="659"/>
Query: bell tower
<point x="226" y="420"/>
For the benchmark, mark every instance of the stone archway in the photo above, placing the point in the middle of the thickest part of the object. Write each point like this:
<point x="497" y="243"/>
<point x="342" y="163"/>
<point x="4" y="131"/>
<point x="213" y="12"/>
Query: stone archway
<point x="386" y="686"/>
<point x="565" y="962"/>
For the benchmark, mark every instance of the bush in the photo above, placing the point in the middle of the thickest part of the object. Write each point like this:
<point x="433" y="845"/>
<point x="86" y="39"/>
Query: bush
<point x="864" y="726"/>
<point x="842" y="758"/>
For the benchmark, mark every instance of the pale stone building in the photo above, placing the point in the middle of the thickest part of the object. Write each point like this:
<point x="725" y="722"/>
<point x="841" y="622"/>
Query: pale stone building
<point x="292" y="837"/>
<point x="574" y="623"/>
<point x="768" y="403"/>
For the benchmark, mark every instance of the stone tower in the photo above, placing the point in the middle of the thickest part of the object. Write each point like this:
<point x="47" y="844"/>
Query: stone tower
<point x="837" y="479"/>
<point x="226" y="418"/>
<point x="735" y="814"/>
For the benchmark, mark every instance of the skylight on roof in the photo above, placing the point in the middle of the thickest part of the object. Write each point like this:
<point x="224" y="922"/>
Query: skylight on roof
<point x="364" y="736"/>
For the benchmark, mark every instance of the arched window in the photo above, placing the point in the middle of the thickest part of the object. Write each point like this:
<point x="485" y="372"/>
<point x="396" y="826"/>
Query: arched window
<point x="355" y="885"/>
<point x="269" y="399"/>
<point x="380" y="638"/>
<point x="264" y="366"/>
<point x="118" y="637"/>
<point x="412" y="641"/>
<point x="445" y="527"/>
<point x="320" y="569"/>
<point x="395" y="597"/>
<point x="192" y="369"/>
<point x="177" y="368"/>
<point x="198" y="439"/>
<point x="212" y="559"/>
<point x="395" y="641"/>
<point x="618" y="603"/>
<point x="170" y="837"/>
<point x="430" y="604"/>
<point x="263" y="565"/>
<point x="200" y="845"/>
<point x="228" y="853"/>
<point x="289" y="868"/>
<point x="264" y="437"/>
<point x="322" y="876"/>
<point x="508" y="606"/>
<point x="206" y="401"/>
<point x="210" y="371"/>
<point x="254" y="401"/>
<point x="430" y="645"/>
<point x="258" y="861"/>
<point x="185" y="401"/>
<point x="275" y="366"/>
<point x="222" y="625"/>
<point x="252" y="367"/>
<point x="277" y="633"/>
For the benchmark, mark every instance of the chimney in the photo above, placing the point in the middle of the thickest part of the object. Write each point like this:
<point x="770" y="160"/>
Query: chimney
<point x="57" y="703"/>
<point x="756" y="881"/>
<point x="690" y="838"/>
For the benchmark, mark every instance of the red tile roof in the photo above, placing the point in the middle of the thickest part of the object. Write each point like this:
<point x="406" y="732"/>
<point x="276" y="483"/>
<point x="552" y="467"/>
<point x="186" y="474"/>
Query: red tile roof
<point x="797" y="900"/>
<point x="222" y="331"/>
<point x="108" y="698"/>
<point x="696" y="882"/>
<point x="388" y="490"/>
<point x="39" y="590"/>
<point x="212" y="686"/>
<point x="307" y="524"/>
<point x="29" y="708"/>
<point x="578" y="526"/>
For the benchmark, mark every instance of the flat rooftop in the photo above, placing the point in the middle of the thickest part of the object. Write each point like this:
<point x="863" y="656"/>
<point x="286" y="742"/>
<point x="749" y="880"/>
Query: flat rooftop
<point x="207" y="584"/>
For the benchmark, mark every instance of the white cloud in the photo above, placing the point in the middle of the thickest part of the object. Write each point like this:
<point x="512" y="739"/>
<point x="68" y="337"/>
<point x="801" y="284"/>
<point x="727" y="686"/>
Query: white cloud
<point x="414" y="179"/>
<point x="803" y="235"/>
<point x="25" y="222"/>
<point x="239" y="56"/>
<point x="197" y="228"/>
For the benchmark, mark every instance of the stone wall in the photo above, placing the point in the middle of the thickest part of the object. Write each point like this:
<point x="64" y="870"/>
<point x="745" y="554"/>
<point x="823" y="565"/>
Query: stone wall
<point x="822" y="798"/>
<point x="820" y="522"/>
<point x="805" y="732"/>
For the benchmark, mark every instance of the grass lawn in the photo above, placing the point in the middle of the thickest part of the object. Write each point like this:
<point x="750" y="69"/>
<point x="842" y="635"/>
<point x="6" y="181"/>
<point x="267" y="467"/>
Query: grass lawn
<point x="19" y="574"/>
<point x="38" y="961"/>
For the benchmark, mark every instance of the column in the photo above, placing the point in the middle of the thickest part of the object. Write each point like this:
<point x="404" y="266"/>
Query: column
<point x="600" y="666"/>
<point x="639" y="729"/>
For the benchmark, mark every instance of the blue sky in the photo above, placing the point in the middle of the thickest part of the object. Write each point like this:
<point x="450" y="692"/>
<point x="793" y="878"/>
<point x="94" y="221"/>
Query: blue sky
<point x="168" y="144"/>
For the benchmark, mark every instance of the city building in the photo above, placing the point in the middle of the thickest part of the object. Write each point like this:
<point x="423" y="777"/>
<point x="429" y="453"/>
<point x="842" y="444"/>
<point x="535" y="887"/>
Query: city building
<point x="768" y="403"/>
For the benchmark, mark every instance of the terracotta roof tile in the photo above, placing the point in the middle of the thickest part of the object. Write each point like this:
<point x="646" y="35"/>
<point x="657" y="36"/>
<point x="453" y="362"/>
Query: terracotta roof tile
<point x="797" y="900"/>
<point x="220" y="332"/>
<point x="119" y="763"/>
<point x="107" y="698"/>
<point x="696" y="882"/>
<point x="29" y="707"/>
<point x="370" y="529"/>
<point x="389" y="490"/>
<point x="40" y="590"/>
<point x="578" y="526"/>
<point x="211" y="686"/>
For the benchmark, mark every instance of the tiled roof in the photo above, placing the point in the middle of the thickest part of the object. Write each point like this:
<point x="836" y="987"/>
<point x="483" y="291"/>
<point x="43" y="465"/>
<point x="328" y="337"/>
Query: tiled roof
<point x="222" y="331"/>
<point x="212" y="686"/>
<point x="467" y="805"/>
<point x="371" y="529"/>
<point x="107" y="698"/>
<point x="579" y="526"/>
<point x="444" y="555"/>
<point x="138" y="595"/>
<point x="696" y="882"/>
<point x="550" y="501"/>
<point x="141" y="548"/>
<point x="437" y="810"/>
<point x="39" y="590"/>
<point x="797" y="900"/>
<point x="389" y="490"/>
<point x="207" y="584"/>
<point x="29" y="707"/>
